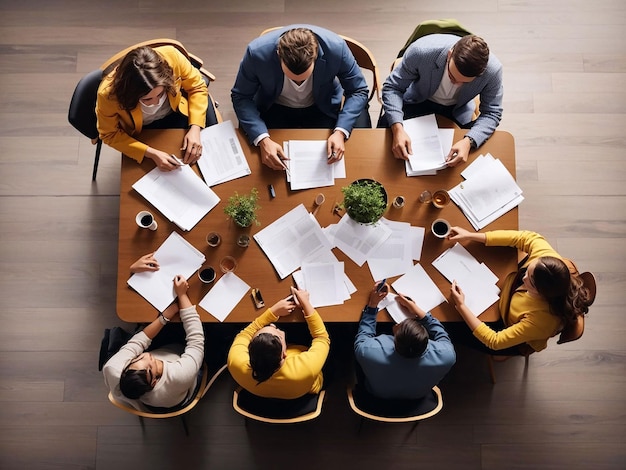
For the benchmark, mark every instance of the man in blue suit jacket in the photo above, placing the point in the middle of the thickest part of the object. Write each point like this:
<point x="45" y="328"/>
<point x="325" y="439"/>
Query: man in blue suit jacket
<point x="296" y="77"/>
<point x="442" y="74"/>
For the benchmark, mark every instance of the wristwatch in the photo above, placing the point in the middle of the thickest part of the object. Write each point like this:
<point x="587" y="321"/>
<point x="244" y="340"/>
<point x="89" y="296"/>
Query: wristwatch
<point x="164" y="321"/>
<point x="472" y="142"/>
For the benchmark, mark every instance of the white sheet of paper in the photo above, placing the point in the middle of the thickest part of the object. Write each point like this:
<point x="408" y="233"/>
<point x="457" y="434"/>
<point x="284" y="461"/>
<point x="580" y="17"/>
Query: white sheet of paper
<point x="396" y="311"/>
<point x="357" y="241"/>
<point x="417" y="242"/>
<point x="224" y="296"/>
<point x="420" y="287"/>
<point x="308" y="164"/>
<point x="222" y="156"/>
<point x="393" y="257"/>
<point x="425" y="143"/>
<point x="324" y="256"/>
<point x="175" y="256"/>
<point x="478" y="295"/>
<point x="457" y="262"/>
<point x="291" y="239"/>
<point x="180" y="195"/>
<point x="324" y="281"/>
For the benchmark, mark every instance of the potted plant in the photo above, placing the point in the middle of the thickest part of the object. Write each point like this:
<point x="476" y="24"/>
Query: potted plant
<point x="242" y="208"/>
<point x="365" y="200"/>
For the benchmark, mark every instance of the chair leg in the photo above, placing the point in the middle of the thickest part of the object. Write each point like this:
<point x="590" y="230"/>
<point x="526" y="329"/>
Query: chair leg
<point x="358" y="430"/>
<point x="492" y="372"/>
<point x="182" y="417"/>
<point x="96" y="160"/>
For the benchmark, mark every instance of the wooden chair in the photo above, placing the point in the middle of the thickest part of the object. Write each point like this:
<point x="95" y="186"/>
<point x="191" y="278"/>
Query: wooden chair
<point x="81" y="114"/>
<point x="570" y="333"/>
<point x="276" y="410"/>
<point x="201" y="390"/>
<point x="373" y="408"/>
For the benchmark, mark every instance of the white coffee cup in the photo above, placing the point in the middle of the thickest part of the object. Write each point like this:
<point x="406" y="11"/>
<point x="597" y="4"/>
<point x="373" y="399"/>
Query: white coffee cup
<point x="440" y="228"/>
<point x="146" y="220"/>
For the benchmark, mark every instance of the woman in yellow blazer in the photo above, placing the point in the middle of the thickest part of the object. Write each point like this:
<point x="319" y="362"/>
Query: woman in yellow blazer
<point x="550" y="295"/>
<point x="146" y="90"/>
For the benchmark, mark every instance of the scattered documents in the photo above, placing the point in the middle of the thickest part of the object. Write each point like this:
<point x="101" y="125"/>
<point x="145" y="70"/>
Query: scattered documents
<point x="222" y="156"/>
<point x="476" y="280"/>
<point x="446" y="137"/>
<point x="291" y="239"/>
<point x="176" y="256"/>
<point x="180" y="195"/>
<point x="420" y="287"/>
<point x="394" y="256"/>
<point x="224" y="296"/>
<point x="488" y="191"/>
<point x="427" y="150"/>
<point x="357" y="240"/>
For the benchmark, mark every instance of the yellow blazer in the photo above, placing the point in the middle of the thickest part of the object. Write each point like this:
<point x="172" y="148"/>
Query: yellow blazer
<point x="528" y="319"/>
<point x="116" y="126"/>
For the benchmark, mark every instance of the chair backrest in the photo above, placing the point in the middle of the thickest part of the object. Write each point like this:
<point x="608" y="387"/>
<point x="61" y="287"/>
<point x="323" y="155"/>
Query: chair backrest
<point x="201" y="389"/>
<point x="365" y="59"/>
<point x="445" y="26"/>
<point x="82" y="111"/>
<point x="575" y="330"/>
<point x="394" y="411"/>
<point x="278" y="411"/>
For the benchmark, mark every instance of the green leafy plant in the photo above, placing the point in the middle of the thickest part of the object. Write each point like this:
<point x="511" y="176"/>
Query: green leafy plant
<point x="242" y="208"/>
<point x="364" y="200"/>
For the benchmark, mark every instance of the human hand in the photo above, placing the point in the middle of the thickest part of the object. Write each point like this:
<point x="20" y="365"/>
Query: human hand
<point x="145" y="263"/>
<point x="401" y="145"/>
<point x="272" y="154"/>
<point x="164" y="161"/>
<point x="458" y="297"/>
<point x="283" y="307"/>
<point x="377" y="295"/>
<point x="336" y="146"/>
<point x="301" y="297"/>
<point x="410" y="305"/>
<point x="459" y="234"/>
<point x="459" y="152"/>
<point x="192" y="145"/>
<point x="180" y="285"/>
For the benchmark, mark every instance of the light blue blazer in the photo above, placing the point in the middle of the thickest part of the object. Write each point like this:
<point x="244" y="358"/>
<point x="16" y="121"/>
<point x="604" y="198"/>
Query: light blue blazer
<point x="260" y="79"/>
<point x="418" y="76"/>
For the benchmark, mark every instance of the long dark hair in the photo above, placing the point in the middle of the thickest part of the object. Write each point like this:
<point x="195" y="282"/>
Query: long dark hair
<point x="141" y="71"/>
<point x="266" y="354"/>
<point x="565" y="293"/>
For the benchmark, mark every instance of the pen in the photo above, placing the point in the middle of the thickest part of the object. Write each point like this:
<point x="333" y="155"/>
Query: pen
<point x="282" y="162"/>
<point x="178" y="161"/>
<point x="381" y="285"/>
<point x="271" y="190"/>
<point x="332" y="155"/>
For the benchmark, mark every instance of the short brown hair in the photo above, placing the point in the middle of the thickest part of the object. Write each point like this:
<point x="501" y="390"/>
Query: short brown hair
<point x="297" y="49"/>
<point x="410" y="338"/>
<point x="471" y="54"/>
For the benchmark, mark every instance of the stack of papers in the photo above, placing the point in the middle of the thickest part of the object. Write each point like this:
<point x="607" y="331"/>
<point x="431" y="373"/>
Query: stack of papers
<point x="357" y="240"/>
<point x="308" y="164"/>
<point x="326" y="283"/>
<point x="180" y="195"/>
<point x="489" y="191"/>
<point x="292" y="239"/>
<point x="430" y="145"/>
<point x="176" y="256"/>
<point x="475" y="279"/>
<point x="222" y="156"/>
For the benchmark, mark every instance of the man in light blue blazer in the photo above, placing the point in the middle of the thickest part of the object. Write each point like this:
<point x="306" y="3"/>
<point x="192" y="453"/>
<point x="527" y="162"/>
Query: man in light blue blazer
<point x="442" y="74"/>
<point x="296" y="77"/>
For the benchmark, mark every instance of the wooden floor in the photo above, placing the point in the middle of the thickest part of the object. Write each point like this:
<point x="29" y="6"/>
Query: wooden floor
<point x="565" y="72"/>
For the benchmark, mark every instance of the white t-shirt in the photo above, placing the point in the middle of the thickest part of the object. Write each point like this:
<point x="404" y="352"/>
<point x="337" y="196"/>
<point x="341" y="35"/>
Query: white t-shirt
<point x="296" y="96"/>
<point x="447" y="92"/>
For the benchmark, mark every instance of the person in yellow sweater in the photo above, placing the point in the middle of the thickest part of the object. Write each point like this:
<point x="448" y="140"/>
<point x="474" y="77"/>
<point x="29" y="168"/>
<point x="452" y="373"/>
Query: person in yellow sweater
<point x="547" y="296"/>
<point x="153" y="87"/>
<point x="261" y="361"/>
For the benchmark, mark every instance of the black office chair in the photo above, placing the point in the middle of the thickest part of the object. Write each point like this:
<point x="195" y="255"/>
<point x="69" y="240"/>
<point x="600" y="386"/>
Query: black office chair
<point x="82" y="112"/>
<point x="277" y="410"/>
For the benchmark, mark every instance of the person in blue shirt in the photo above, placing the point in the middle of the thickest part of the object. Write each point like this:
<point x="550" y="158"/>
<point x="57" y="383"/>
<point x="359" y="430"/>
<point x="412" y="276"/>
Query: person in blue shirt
<point x="407" y="364"/>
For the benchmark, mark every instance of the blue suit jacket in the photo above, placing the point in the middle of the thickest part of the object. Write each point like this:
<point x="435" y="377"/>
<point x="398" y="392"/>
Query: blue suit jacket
<point x="418" y="76"/>
<point x="260" y="79"/>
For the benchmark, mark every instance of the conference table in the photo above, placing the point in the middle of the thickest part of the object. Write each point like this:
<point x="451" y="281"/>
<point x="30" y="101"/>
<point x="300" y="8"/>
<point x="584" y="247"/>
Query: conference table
<point x="368" y="155"/>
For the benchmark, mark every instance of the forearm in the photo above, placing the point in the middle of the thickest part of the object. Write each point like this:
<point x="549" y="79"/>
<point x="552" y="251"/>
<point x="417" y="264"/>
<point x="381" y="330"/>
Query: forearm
<point x="367" y="325"/>
<point x="194" y="334"/>
<point x="468" y="317"/>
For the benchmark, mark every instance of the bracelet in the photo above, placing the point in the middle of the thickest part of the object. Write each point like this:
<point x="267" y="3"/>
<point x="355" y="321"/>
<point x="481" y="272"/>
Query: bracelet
<point x="472" y="142"/>
<point x="164" y="321"/>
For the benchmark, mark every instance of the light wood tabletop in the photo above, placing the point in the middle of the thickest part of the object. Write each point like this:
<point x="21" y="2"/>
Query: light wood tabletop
<point x="368" y="155"/>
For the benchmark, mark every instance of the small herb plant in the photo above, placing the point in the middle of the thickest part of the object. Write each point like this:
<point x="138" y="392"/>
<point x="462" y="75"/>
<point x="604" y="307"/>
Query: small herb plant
<point x="364" y="200"/>
<point x="242" y="208"/>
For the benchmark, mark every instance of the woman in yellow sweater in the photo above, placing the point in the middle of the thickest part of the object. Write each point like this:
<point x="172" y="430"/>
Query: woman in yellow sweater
<point x="547" y="296"/>
<point x="263" y="363"/>
<point x="152" y="87"/>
